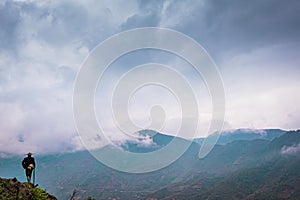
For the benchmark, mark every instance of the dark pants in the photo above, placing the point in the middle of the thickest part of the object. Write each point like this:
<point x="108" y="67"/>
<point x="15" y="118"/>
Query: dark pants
<point x="28" y="174"/>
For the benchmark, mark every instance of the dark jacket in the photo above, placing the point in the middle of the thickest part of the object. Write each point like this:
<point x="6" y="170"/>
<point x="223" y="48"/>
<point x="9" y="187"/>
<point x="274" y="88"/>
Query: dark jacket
<point x="27" y="161"/>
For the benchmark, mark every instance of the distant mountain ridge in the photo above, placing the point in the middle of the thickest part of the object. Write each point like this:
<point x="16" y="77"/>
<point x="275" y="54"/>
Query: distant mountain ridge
<point x="187" y="178"/>
<point x="275" y="175"/>
<point x="147" y="141"/>
<point x="228" y="136"/>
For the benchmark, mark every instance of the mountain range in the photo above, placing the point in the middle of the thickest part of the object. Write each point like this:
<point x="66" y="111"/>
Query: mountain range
<point x="244" y="164"/>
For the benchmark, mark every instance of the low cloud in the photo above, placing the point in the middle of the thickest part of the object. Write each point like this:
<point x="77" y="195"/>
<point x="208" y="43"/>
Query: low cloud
<point x="141" y="142"/>
<point x="291" y="150"/>
<point x="261" y="132"/>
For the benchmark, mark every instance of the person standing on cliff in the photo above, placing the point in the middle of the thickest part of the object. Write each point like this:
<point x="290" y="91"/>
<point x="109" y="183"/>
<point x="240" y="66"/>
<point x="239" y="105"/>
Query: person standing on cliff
<point x="28" y="164"/>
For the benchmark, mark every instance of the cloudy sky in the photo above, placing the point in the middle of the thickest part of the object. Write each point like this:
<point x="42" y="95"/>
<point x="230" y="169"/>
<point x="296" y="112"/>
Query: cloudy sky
<point x="255" y="45"/>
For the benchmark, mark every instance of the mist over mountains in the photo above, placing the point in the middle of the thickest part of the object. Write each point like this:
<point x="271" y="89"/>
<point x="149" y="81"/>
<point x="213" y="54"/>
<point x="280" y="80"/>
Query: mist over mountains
<point x="245" y="164"/>
<point x="247" y="74"/>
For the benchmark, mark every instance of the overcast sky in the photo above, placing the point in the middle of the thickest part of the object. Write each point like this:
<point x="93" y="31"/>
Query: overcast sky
<point x="255" y="45"/>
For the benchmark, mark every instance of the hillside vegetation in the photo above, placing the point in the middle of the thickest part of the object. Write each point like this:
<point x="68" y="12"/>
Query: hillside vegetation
<point x="12" y="189"/>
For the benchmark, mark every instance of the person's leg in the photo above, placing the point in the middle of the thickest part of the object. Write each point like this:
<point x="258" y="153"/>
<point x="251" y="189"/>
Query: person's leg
<point x="28" y="174"/>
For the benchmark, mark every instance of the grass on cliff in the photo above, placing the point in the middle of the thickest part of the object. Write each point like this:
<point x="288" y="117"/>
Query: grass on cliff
<point x="12" y="189"/>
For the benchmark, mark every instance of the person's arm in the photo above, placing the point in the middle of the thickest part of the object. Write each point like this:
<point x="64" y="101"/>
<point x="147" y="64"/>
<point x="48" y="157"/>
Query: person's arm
<point x="24" y="164"/>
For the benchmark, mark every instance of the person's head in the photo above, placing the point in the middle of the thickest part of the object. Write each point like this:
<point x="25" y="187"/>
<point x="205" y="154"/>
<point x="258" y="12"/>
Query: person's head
<point x="29" y="154"/>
